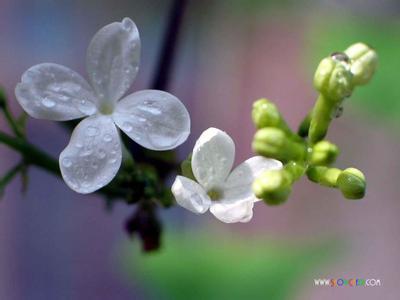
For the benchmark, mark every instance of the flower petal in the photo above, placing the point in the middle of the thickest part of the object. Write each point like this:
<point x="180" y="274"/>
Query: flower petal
<point x="93" y="156"/>
<point x="190" y="195"/>
<point x="113" y="59"/>
<point x="54" y="92"/>
<point x="232" y="212"/>
<point x="154" y="119"/>
<point x="239" y="182"/>
<point x="213" y="157"/>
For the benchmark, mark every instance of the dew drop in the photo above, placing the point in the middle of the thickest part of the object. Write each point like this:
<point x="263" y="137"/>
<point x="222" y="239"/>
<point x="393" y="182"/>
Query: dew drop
<point x="63" y="98"/>
<point x="107" y="138"/>
<point x="66" y="162"/>
<point x="112" y="160"/>
<point x="86" y="107"/>
<point x="337" y="113"/>
<point x="127" y="24"/>
<point x="128" y="70"/>
<point x="101" y="153"/>
<point x="86" y="184"/>
<point x="48" y="102"/>
<point x="127" y="126"/>
<point x="86" y="152"/>
<point x="92" y="131"/>
<point x="56" y="88"/>
<point x="152" y="110"/>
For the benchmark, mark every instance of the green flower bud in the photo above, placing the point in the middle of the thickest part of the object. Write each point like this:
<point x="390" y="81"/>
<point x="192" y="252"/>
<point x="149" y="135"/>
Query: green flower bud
<point x="323" y="175"/>
<point x="324" y="153"/>
<point x="186" y="168"/>
<point x="352" y="183"/>
<point x="265" y="114"/>
<point x="273" y="186"/>
<point x="273" y="142"/>
<point x="364" y="62"/>
<point x="333" y="77"/>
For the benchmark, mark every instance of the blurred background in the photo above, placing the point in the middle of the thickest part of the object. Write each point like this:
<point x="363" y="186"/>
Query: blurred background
<point x="56" y="244"/>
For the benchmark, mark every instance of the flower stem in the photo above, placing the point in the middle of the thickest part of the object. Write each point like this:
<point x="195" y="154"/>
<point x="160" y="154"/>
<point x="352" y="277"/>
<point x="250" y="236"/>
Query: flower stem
<point x="162" y="74"/>
<point x="34" y="156"/>
<point x="320" y="119"/>
<point x="9" y="117"/>
<point x="31" y="153"/>
<point x="6" y="179"/>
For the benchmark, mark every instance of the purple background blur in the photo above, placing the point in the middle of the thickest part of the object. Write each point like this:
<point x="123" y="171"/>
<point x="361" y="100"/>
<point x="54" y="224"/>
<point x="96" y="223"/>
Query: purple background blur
<point x="56" y="244"/>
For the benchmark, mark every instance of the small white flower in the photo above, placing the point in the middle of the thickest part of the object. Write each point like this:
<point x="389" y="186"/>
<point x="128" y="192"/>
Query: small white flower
<point x="228" y="194"/>
<point x="154" y="119"/>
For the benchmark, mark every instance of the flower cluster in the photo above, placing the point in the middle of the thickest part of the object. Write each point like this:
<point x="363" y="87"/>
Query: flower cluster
<point x="157" y="120"/>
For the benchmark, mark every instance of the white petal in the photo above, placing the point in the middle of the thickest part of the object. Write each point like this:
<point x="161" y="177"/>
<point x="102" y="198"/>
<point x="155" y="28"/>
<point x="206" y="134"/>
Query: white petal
<point x="54" y="92"/>
<point x="190" y="195"/>
<point x="239" y="182"/>
<point x="232" y="212"/>
<point x="93" y="156"/>
<point x="154" y="119"/>
<point x="113" y="59"/>
<point x="213" y="157"/>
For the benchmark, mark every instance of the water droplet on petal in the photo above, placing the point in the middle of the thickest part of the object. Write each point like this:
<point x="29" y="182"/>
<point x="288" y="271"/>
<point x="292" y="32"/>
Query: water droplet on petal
<point x="48" y="102"/>
<point x="152" y="110"/>
<point x="63" y="98"/>
<point x="112" y="161"/>
<point x="92" y="131"/>
<point x="101" y="153"/>
<point x="107" y="138"/>
<point x="66" y="162"/>
<point x="128" y="70"/>
<point x="86" y="152"/>
<point x="127" y="126"/>
<point x="127" y="24"/>
<point x="86" y="184"/>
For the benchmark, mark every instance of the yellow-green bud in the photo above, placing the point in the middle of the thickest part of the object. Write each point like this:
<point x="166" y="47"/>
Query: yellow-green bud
<point x="333" y="77"/>
<point x="364" y="62"/>
<point x="265" y="114"/>
<point x="352" y="183"/>
<point x="186" y="168"/>
<point x="273" y="186"/>
<point x="324" y="153"/>
<point x="273" y="142"/>
<point x="323" y="175"/>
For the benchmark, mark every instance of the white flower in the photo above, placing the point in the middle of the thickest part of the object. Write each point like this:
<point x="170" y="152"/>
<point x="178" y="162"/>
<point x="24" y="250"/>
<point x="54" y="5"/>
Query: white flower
<point x="154" y="119"/>
<point x="228" y="194"/>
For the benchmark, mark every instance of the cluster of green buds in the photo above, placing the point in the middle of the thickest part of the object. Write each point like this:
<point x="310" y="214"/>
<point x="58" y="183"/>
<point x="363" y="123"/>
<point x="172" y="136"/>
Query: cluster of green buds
<point x="307" y="152"/>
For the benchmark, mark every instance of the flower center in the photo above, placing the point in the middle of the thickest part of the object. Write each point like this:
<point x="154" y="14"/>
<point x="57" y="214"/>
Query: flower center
<point x="215" y="194"/>
<point x="106" y="108"/>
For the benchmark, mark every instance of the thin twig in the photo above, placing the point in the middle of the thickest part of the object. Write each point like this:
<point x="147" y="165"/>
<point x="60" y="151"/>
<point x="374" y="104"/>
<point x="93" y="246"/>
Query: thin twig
<point x="162" y="74"/>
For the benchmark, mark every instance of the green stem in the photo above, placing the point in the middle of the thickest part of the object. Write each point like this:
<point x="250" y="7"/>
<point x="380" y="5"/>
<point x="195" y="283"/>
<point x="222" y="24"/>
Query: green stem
<point x="323" y="175"/>
<point x="10" y="175"/>
<point x="9" y="117"/>
<point x="34" y="156"/>
<point x="321" y="118"/>
<point x="31" y="153"/>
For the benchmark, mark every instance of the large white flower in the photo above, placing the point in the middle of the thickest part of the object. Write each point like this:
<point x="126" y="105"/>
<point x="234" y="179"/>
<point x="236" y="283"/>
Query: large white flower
<point x="154" y="119"/>
<point x="227" y="194"/>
